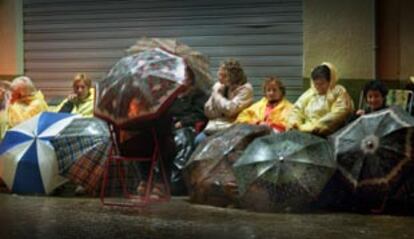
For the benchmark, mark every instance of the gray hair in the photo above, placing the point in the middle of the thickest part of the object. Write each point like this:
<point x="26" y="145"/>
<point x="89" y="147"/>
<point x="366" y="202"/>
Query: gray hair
<point x="26" y="85"/>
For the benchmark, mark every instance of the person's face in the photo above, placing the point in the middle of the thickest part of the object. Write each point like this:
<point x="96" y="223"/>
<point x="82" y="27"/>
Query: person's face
<point x="222" y="76"/>
<point x="321" y="85"/>
<point x="81" y="90"/>
<point x="374" y="99"/>
<point x="273" y="92"/>
<point x="16" y="92"/>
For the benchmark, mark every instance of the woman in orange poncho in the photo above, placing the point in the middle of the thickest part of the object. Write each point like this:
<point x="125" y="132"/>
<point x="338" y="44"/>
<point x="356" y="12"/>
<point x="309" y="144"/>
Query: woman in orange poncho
<point x="272" y="109"/>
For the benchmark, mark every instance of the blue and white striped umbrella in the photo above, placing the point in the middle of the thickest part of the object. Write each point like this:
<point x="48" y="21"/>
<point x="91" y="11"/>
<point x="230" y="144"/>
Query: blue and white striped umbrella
<point x="27" y="158"/>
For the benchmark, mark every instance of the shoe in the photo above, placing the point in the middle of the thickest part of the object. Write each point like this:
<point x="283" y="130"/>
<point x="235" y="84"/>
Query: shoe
<point x="142" y="187"/>
<point x="158" y="192"/>
<point x="79" y="190"/>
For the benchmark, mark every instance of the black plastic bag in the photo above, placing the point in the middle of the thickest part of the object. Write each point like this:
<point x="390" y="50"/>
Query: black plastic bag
<point x="184" y="144"/>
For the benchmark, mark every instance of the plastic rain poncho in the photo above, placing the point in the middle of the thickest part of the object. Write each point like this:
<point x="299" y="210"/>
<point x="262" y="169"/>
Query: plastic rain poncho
<point x="322" y="114"/>
<point x="25" y="108"/>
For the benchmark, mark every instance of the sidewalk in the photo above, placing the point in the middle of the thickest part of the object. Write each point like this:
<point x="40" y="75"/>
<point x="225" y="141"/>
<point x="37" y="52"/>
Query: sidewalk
<point x="83" y="217"/>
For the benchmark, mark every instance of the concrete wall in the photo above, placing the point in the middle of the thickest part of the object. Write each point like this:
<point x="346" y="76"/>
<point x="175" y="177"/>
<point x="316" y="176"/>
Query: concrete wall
<point x="407" y="39"/>
<point x="11" y="37"/>
<point x="341" y="32"/>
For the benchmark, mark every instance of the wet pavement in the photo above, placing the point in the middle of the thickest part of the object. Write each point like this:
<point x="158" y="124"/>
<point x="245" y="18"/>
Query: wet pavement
<point x="83" y="217"/>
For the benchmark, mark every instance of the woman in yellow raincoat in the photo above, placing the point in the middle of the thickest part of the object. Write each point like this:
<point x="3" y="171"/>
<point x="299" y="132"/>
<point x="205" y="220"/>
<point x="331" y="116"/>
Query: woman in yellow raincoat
<point x="81" y="100"/>
<point x="271" y="110"/>
<point x="4" y="100"/>
<point x="25" y="101"/>
<point x="324" y="107"/>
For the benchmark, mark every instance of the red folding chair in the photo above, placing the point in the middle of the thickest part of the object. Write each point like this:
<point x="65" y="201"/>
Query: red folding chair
<point x="121" y="180"/>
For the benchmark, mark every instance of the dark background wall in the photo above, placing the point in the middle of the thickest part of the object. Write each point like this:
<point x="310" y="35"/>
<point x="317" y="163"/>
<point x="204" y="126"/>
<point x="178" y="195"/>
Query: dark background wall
<point x="62" y="38"/>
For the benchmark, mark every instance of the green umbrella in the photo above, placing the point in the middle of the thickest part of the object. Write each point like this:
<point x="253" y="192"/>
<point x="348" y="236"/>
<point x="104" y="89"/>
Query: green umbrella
<point x="281" y="171"/>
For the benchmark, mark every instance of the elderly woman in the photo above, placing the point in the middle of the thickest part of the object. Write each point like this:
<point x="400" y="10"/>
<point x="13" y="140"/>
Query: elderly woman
<point x="80" y="101"/>
<point x="230" y="95"/>
<point x="25" y="101"/>
<point x="272" y="109"/>
<point x="324" y="107"/>
<point x="4" y="99"/>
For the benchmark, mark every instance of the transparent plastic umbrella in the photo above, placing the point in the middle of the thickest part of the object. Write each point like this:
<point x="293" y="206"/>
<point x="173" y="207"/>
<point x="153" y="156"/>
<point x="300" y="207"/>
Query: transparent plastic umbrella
<point x="374" y="153"/>
<point x="209" y="173"/>
<point x="197" y="61"/>
<point x="284" y="171"/>
<point x="139" y="87"/>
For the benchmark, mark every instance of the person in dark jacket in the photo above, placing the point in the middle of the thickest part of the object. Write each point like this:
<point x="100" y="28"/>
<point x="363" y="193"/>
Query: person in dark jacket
<point x="176" y="131"/>
<point x="188" y="109"/>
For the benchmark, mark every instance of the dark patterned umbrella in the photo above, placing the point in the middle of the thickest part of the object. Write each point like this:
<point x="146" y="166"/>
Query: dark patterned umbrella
<point x="209" y="173"/>
<point x="373" y="154"/>
<point x="197" y="62"/>
<point x="139" y="87"/>
<point x="82" y="149"/>
<point x="284" y="171"/>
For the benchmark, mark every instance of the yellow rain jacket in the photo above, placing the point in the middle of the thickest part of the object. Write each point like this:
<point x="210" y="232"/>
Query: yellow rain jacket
<point x="322" y="114"/>
<point x="84" y="107"/>
<point x="25" y="108"/>
<point x="255" y="114"/>
<point x="3" y="123"/>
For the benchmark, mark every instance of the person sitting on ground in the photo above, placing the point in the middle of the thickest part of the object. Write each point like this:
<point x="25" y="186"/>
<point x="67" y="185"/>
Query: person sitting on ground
<point x="25" y="101"/>
<point x="410" y="86"/>
<point x="80" y="101"/>
<point x="375" y="96"/>
<point x="272" y="109"/>
<point x="323" y="108"/>
<point x="230" y="95"/>
<point x="183" y="116"/>
<point x="4" y="100"/>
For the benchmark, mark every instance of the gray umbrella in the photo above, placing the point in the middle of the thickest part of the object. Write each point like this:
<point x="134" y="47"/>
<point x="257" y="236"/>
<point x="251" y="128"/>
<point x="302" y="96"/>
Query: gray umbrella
<point x="374" y="152"/>
<point x="281" y="171"/>
<point x="209" y="173"/>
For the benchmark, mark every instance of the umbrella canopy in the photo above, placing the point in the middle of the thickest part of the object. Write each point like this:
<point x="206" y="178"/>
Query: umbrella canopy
<point x="82" y="149"/>
<point x="139" y="87"/>
<point x="27" y="159"/>
<point x="198" y="62"/>
<point x="287" y="170"/>
<point x="209" y="173"/>
<point x="373" y="152"/>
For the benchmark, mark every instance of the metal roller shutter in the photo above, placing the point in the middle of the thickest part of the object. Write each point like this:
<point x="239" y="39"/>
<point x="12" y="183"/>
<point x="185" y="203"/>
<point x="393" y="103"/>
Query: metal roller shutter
<point x="63" y="37"/>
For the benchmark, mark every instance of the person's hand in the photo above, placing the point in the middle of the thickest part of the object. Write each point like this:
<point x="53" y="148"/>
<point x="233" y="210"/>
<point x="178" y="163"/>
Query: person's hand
<point x="294" y="126"/>
<point x="178" y="125"/>
<point x="72" y="97"/>
<point x="2" y="94"/>
<point x="360" y="112"/>
<point x="316" y="131"/>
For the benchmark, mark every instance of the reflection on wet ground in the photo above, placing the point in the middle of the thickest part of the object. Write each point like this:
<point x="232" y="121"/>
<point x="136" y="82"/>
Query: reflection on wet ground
<point x="81" y="217"/>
